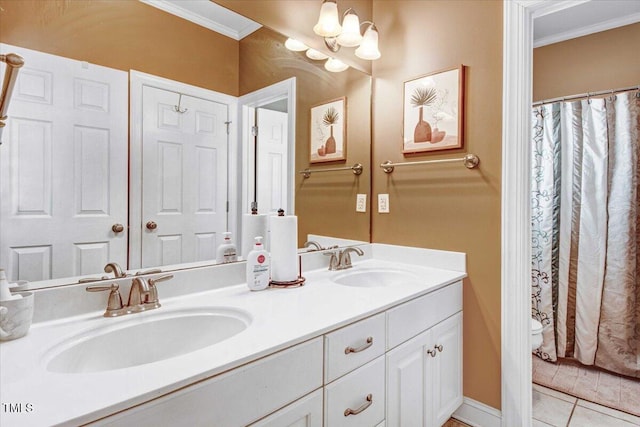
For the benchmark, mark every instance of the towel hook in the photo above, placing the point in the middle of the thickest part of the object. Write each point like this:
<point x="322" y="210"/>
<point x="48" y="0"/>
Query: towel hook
<point x="177" y="107"/>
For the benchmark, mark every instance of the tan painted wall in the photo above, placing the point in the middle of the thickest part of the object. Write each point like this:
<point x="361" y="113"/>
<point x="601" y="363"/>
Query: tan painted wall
<point x="123" y="35"/>
<point x="447" y="206"/>
<point x="600" y="61"/>
<point x="325" y="203"/>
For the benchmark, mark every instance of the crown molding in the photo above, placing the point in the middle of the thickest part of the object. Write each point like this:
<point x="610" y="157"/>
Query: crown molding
<point x="589" y="29"/>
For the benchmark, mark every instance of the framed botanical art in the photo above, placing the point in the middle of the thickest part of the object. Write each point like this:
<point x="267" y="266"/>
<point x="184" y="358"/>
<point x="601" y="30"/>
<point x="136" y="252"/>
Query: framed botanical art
<point x="328" y="131"/>
<point x="434" y="112"/>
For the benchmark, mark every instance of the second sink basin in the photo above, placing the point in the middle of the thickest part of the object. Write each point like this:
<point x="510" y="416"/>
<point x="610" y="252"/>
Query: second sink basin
<point x="146" y="339"/>
<point x="375" y="277"/>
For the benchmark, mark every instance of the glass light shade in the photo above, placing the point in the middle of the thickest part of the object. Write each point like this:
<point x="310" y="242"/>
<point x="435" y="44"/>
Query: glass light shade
<point x="369" y="47"/>
<point x="295" y="45"/>
<point x="328" y="23"/>
<point x="316" y="55"/>
<point x="335" y="65"/>
<point x="350" y="35"/>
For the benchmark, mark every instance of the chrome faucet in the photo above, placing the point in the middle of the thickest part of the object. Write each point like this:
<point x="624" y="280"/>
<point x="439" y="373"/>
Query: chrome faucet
<point x="143" y="295"/>
<point x="114" y="268"/>
<point x="344" y="260"/>
<point x="316" y="246"/>
<point x="341" y="260"/>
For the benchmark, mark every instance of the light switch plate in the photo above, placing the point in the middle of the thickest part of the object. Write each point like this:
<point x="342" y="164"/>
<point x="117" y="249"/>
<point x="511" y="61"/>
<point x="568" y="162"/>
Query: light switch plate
<point x="383" y="203"/>
<point x="361" y="203"/>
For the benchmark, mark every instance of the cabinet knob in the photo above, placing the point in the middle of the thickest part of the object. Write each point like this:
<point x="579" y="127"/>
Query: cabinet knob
<point x="438" y="347"/>
<point x="151" y="225"/>
<point x="117" y="228"/>
<point x="365" y="405"/>
<point x="431" y="353"/>
<point x="368" y="344"/>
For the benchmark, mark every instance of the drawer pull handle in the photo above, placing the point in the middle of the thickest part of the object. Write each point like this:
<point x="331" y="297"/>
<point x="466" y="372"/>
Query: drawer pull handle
<point x="364" y="406"/>
<point x="361" y="348"/>
<point x="438" y="347"/>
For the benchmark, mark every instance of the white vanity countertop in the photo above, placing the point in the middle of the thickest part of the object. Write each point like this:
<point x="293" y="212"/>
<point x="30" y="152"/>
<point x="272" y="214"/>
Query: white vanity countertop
<point x="280" y="318"/>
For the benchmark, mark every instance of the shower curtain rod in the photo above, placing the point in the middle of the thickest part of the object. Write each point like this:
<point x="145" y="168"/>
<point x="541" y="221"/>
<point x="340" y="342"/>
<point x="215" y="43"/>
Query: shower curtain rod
<point x="586" y="95"/>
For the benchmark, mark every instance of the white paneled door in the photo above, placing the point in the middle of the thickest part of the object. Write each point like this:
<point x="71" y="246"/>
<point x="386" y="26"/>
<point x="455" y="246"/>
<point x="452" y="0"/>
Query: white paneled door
<point x="63" y="169"/>
<point x="271" y="165"/>
<point x="184" y="177"/>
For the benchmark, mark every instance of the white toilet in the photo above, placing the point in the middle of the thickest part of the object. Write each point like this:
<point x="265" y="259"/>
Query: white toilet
<point x="536" y="334"/>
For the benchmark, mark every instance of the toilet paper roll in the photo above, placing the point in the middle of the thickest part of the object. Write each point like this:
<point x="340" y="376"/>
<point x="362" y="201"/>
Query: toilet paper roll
<point x="252" y="226"/>
<point x="284" y="248"/>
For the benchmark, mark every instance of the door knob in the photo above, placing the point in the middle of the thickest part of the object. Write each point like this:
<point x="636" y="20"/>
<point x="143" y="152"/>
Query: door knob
<point x="117" y="228"/>
<point x="151" y="225"/>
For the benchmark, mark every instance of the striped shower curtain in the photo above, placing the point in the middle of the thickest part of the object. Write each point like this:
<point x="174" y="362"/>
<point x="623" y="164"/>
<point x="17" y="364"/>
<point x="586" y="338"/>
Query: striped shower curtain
<point x="585" y="196"/>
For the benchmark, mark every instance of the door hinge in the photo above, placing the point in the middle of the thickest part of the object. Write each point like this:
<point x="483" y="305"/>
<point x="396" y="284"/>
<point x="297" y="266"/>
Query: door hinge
<point x="254" y="130"/>
<point x="228" y="123"/>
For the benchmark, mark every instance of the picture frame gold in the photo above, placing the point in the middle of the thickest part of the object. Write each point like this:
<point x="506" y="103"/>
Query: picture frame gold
<point x="328" y="131"/>
<point x="433" y="111"/>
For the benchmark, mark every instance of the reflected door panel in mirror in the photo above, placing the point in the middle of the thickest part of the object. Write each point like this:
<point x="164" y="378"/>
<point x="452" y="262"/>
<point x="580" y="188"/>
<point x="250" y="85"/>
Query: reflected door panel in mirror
<point x="184" y="183"/>
<point x="63" y="169"/>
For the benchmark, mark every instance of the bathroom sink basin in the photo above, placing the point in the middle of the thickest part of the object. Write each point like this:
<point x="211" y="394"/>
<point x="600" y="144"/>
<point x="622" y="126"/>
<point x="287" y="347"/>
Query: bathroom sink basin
<point x="375" y="277"/>
<point x="145" y="339"/>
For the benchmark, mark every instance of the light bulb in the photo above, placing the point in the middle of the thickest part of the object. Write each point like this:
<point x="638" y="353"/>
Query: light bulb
<point x="316" y="55"/>
<point x="295" y="45"/>
<point x="328" y="23"/>
<point x="335" y="65"/>
<point x="369" y="47"/>
<point x="350" y="35"/>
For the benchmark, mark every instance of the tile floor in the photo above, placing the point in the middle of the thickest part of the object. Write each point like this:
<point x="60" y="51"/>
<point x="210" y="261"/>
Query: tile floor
<point x="556" y="409"/>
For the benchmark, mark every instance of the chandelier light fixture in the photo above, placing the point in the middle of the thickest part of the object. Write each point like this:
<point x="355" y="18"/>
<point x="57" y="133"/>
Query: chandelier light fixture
<point x="338" y="35"/>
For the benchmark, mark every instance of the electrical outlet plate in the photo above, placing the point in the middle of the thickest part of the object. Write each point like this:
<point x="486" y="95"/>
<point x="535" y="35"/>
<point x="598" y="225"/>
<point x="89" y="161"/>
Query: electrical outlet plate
<point x="383" y="203"/>
<point x="361" y="203"/>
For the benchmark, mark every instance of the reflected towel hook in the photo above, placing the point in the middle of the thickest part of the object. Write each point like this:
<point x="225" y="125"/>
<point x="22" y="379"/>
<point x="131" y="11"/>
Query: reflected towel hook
<point x="177" y="107"/>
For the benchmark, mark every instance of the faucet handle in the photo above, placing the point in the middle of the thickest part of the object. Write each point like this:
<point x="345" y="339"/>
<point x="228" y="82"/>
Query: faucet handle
<point x="152" y="271"/>
<point x="333" y="261"/>
<point x="114" y="303"/>
<point x="152" y="296"/>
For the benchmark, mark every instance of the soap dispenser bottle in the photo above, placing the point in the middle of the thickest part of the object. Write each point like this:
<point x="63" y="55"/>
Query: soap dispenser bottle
<point x="258" y="270"/>
<point x="227" y="251"/>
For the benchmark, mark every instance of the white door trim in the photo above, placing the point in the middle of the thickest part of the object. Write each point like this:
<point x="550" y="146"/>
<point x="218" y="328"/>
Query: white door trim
<point x="516" y="224"/>
<point x="280" y="90"/>
<point x="137" y="81"/>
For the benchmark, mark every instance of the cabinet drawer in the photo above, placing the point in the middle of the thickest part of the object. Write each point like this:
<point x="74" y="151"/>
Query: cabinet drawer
<point x="351" y="391"/>
<point x="235" y="398"/>
<point x="352" y="346"/>
<point x="413" y="317"/>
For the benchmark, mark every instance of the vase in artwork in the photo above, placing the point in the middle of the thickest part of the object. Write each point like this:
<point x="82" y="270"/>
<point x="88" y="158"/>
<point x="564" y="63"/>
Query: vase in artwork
<point x="437" y="135"/>
<point x="422" y="132"/>
<point x="321" y="151"/>
<point x="330" y="145"/>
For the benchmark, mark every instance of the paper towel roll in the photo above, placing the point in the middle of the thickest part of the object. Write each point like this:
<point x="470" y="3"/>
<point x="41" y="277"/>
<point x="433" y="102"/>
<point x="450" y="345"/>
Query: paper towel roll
<point x="284" y="248"/>
<point x="252" y="226"/>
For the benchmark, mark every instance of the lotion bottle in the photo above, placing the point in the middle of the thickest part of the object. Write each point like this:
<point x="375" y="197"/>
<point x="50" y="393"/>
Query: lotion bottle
<point x="258" y="270"/>
<point x="227" y="251"/>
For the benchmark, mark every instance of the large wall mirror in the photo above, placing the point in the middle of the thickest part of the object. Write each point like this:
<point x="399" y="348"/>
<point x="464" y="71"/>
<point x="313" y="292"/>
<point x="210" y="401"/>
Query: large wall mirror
<point x="252" y="75"/>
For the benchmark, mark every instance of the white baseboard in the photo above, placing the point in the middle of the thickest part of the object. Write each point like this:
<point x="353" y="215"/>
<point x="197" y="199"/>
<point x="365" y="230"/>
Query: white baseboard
<point x="477" y="414"/>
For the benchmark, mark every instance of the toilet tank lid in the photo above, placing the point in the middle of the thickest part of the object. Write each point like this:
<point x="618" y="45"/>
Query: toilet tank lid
<point x="536" y="326"/>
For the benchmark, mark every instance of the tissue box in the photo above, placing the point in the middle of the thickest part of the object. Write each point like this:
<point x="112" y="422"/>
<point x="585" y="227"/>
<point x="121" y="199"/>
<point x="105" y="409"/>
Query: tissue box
<point x="16" y="316"/>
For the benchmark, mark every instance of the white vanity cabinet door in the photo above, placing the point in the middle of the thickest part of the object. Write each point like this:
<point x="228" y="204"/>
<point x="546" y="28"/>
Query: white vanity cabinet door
<point x="351" y="391"/>
<point x="424" y="383"/>
<point x="305" y="412"/>
<point x="353" y="346"/>
<point x="235" y="398"/>
<point x="447" y="368"/>
<point x="408" y="383"/>
<point x="413" y="317"/>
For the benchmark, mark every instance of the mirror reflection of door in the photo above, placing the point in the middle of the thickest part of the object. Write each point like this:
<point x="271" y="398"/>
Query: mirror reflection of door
<point x="271" y="157"/>
<point x="184" y="166"/>
<point x="63" y="169"/>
